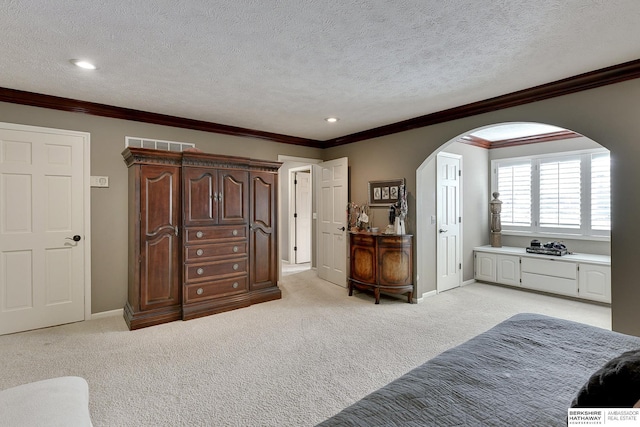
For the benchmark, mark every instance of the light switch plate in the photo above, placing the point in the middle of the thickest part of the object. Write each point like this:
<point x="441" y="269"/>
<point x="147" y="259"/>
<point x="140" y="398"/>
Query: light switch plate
<point x="100" y="181"/>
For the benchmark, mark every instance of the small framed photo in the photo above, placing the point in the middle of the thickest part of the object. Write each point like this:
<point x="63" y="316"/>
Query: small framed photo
<point x="384" y="193"/>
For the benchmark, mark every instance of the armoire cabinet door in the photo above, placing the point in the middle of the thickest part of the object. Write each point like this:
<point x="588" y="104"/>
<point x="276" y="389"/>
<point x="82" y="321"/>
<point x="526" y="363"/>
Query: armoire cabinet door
<point x="233" y="196"/>
<point x="200" y="196"/>
<point x="262" y="236"/>
<point x="159" y="224"/>
<point x="214" y="196"/>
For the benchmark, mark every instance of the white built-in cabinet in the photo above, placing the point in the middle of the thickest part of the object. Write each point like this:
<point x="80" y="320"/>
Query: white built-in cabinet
<point x="583" y="276"/>
<point x="486" y="269"/>
<point x="595" y="282"/>
<point x="508" y="270"/>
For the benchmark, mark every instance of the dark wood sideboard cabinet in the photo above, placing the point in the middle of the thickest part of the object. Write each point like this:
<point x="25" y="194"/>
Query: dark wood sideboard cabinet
<point x="202" y="234"/>
<point x="382" y="263"/>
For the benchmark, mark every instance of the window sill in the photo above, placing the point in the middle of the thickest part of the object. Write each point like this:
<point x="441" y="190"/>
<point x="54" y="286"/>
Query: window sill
<point x="555" y="236"/>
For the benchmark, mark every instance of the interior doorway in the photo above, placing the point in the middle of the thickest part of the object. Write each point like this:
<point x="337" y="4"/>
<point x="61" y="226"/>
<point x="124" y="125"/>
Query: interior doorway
<point x="327" y="240"/>
<point x="45" y="253"/>
<point x="448" y="219"/>
<point x="301" y="221"/>
<point x="289" y="171"/>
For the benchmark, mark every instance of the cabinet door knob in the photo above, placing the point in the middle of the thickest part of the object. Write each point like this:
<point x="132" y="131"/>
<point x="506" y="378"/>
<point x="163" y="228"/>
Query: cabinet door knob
<point x="235" y="266"/>
<point x="199" y="271"/>
<point x="235" y="285"/>
<point x="199" y="234"/>
<point x="199" y="252"/>
<point x="200" y="291"/>
<point x="234" y="232"/>
<point x="235" y="249"/>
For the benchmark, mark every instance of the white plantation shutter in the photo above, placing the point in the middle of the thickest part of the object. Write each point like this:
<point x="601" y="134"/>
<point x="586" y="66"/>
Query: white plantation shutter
<point x="514" y="186"/>
<point x="600" y="192"/>
<point x="566" y="193"/>
<point x="560" y="193"/>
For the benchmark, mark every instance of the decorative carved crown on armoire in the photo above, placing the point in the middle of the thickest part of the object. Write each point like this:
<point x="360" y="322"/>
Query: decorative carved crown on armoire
<point x="202" y="234"/>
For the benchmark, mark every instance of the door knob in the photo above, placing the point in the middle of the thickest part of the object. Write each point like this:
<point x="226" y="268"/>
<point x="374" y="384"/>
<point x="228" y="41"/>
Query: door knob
<point x="75" y="238"/>
<point x="341" y="228"/>
<point x="442" y="230"/>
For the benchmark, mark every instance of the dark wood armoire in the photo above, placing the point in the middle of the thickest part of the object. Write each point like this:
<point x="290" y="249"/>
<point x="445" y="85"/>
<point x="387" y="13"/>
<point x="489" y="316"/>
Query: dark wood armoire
<point x="202" y="234"/>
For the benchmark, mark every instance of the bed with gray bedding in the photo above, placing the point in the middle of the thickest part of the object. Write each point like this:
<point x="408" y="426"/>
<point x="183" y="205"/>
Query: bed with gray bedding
<point x="524" y="371"/>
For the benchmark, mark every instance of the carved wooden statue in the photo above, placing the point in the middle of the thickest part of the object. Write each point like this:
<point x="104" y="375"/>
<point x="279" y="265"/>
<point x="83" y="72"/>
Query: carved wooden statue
<point x="496" y="226"/>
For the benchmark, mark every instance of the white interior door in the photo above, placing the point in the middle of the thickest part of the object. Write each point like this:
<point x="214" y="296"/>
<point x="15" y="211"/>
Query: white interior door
<point x="42" y="208"/>
<point x="302" y="246"/>
<point x="333" y="188"/>
<point x="449" y="242"/>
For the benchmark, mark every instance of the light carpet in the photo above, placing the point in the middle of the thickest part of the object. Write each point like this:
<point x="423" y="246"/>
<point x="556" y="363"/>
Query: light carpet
<point x="290" y="362"/>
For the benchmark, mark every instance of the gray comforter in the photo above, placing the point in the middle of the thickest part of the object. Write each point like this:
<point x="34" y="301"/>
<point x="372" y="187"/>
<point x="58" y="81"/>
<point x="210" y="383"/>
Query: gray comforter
<point x="523" y="372"/>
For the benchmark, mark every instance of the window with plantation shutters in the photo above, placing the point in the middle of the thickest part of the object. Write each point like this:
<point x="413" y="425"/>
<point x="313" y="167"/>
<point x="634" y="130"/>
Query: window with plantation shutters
<point x="560" y="201"/>
<point x="514" y="186"/>
<point x="567" y="193"/>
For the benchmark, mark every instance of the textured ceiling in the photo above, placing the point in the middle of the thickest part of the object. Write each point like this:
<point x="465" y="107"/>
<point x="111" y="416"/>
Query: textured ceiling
<point x="282" y="66"/>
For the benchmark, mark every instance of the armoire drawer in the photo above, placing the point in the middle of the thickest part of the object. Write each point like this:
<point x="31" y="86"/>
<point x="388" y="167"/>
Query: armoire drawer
<point x="215" y="289"/>
<point x="198" y="253"/>
<point x="203" y="234"/>
<point x="216" y="269"/>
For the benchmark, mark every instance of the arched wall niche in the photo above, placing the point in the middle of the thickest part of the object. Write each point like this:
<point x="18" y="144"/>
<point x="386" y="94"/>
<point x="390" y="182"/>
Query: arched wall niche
<point x="476" y="193"/>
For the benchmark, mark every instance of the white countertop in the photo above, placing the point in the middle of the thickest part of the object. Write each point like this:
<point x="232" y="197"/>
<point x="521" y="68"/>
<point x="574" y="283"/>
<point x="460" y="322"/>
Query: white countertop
<point x="573" y="257"/>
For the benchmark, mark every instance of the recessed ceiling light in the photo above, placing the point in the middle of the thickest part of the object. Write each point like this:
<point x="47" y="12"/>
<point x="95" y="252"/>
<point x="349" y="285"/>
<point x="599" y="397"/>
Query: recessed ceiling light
<point x="332" y="119"/>
<point x="83" y="64"/>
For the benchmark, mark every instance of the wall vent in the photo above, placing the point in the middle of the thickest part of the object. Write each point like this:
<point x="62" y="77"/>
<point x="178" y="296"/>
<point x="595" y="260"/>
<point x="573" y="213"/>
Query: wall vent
<point x="156" y="144"/>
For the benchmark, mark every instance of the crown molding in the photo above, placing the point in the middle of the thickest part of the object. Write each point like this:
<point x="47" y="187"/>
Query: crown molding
<point x="524" y="140"/>
<point x="602" y="77"/>
<point x="593" y="79"/>
<point x="76" y="106"/>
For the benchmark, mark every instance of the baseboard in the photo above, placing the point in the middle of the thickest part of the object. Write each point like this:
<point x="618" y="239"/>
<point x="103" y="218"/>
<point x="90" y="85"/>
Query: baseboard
<point x="469" y="282"/>
<point x="426" y="295"/>
<point x="103" y="314"/>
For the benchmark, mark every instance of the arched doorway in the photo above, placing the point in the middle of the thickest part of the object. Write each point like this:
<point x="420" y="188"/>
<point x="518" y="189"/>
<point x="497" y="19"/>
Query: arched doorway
<point x="478" y="148"/>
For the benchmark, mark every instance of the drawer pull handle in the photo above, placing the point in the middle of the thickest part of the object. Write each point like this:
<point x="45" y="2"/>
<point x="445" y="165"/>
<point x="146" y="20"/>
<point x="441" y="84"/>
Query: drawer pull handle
<point x="235" y="249"/>
<point x="199" y="252"/>
<point x="200" y="271"/>
<point x="235" y="266"/>
<point x="200" y="291"/>
<point x="235" y="285"/>
<point x="199" y="234"/>
<point x="234" y="232"/>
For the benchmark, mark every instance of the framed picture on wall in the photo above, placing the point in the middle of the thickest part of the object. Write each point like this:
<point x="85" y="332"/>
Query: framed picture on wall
<point x="384" y="193"/>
